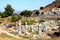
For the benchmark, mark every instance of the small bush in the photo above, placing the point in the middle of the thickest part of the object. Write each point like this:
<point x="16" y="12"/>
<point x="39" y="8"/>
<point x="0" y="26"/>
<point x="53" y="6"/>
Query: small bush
<point x="15" y="18"/>
<point x="41" y="21"/>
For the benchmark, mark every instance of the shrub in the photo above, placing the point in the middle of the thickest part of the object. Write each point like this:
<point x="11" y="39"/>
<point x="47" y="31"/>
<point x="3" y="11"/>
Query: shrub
<point x="15" y="18"/>
<point x="41" y="20"/>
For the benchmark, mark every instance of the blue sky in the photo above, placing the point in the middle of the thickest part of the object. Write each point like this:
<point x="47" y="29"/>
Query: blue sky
<point x="20" y="5"/>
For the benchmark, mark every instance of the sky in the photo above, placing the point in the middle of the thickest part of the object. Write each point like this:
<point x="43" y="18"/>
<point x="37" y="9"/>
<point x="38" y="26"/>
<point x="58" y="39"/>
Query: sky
<point x="20" y="5"/>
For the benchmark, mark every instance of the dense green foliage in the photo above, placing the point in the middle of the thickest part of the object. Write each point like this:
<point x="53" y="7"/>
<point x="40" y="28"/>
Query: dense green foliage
<point x="8" y="11"/>
<point x="26" y="13"/>
<point x="3" y="15"/>
<point x="41" y="20"/>
<point x="15" y="18"/>
<point x="0" y="14"/>
<point x="41" y="8"/>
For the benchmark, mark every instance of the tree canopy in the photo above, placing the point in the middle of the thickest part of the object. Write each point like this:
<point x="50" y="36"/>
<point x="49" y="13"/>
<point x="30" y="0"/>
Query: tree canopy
<point x="0" y="13"/>
<point x="26" y="13"/>
<point x="41" y="8"/>
<point x="37" y="13"/>
<point x="9" y="10"/>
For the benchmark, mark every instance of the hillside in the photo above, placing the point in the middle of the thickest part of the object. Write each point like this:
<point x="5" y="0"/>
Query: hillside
<point x="49" y="7"/>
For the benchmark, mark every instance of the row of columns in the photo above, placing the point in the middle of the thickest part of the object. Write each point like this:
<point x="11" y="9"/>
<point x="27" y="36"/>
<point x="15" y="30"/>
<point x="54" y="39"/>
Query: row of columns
<point x="41" y="28"/>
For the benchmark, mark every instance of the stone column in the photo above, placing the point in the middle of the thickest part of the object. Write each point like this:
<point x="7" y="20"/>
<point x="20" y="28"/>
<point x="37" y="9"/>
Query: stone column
<point x="44" y="28"/>
<point x="31" y="28"/>
<point x="26" y="25"/>
<point x="19" y="28"/>
<point x="19" y="22"/>
<point x="39" y="29"/>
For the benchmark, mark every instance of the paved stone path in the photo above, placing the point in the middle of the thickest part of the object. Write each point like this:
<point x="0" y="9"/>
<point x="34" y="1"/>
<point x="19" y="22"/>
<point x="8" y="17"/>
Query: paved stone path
<point x="3" y="31"/>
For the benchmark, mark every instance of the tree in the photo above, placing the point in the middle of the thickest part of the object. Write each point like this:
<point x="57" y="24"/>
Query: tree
<point x="41" y="8"/>
<point x="0" y="14"/>
<point x="26" y="13"/>
<point x="8" y="10"/>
